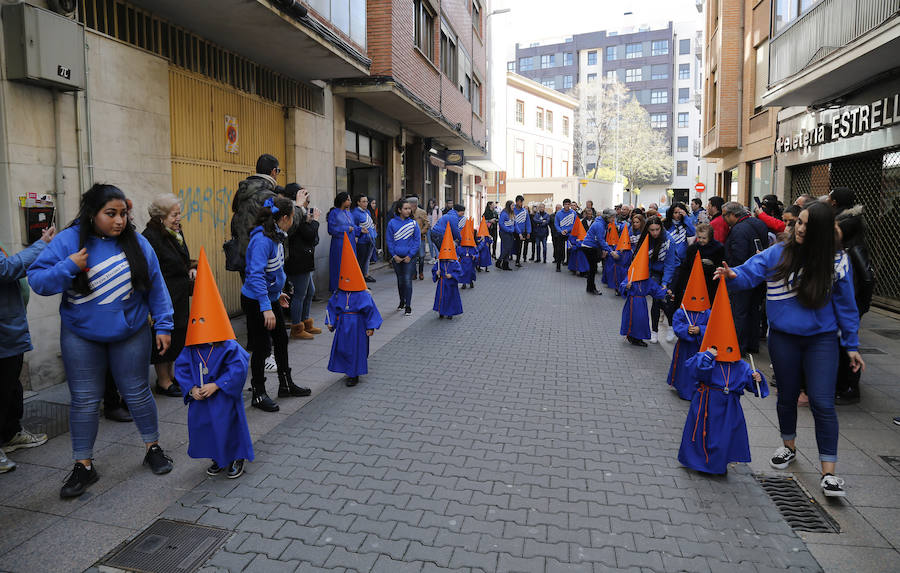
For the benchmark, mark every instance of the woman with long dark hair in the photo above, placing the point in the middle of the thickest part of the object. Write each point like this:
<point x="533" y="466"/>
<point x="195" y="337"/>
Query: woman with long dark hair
<point x="663" y="262"/>
<point x="110" y="280"/>
<point x="365" y="243"/>
<point x="506" y="226"/>
<point x="490" y="218"/>
<point x="340" y="221"/>
<point x="812" y="311"/>
<point x="403" y="237"/>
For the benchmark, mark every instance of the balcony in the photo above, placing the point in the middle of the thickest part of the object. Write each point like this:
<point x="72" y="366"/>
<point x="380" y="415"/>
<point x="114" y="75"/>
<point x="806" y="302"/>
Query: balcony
<point x="832" y="48"/>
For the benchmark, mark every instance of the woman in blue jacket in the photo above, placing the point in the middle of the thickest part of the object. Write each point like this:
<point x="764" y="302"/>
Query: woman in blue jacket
<point x="262" y="291"/>
<point x="506" y="225"/>
<point x="110" y="281"/>
<point x="663" y="262"/>
<point x="403" y="237"/>
<point x="365" y="243"/>
<point x="340" y="221"/>
<point x="812" y="312"/>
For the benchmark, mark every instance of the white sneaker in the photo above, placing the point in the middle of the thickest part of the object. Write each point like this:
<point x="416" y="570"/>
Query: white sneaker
<point x="24" y="439"/>
<point x="271" y="365"/>
<point x="6" y="464"/>
<point x="832" y="486"/>
<point x="782" y="458"/>
<point x="670" y="337"/>
<point x="654" y="338"/>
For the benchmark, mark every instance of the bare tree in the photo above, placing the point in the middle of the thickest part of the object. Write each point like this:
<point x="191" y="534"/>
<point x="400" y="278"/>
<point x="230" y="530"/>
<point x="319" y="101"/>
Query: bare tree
<point x="644" y="155"/>
<point x="599" y="104"/>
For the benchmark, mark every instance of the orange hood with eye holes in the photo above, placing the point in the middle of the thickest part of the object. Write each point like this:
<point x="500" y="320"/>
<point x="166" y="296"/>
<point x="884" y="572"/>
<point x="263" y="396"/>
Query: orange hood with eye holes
<point x="208" y="321"/>
<point x="720" y="331"/>
<point x="696" y="296"/>
<point x="350" y="278"/>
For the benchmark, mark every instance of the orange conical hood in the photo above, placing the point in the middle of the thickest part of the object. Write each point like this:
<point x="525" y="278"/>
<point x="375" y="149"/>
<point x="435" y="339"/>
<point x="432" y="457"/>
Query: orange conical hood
<point x="696" y="296"/>
<point x="448" y="249"/>
<point x="467" y="238"/>
<point x="351" y="278"/>
<point x="612" y="234"/>
<point x="624" y="242"/>
<point x="640" y="265"/>
<point x="720" y="330"/>
<point x="482" y="229"/>
<point x="208" y="321"/>
<point x="578" y="230"/>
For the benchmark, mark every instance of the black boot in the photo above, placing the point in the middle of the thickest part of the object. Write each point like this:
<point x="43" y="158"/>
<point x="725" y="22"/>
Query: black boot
<point x="261" y="400"/>
<point x="286" y="386"/>
<point x="557" y="267"/>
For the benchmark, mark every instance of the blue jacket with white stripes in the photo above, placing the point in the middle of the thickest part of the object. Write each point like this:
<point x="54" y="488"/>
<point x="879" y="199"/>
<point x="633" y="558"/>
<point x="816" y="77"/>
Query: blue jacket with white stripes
<point x="265" y="269"/>
<point x="403" y="237"/>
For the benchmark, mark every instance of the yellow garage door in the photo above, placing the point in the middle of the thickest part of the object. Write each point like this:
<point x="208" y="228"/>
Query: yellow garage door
<point x="217" y="135"/>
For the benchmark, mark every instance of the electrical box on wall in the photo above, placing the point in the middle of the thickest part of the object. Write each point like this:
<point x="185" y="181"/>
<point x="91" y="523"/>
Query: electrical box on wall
<point x="43" y="48"/>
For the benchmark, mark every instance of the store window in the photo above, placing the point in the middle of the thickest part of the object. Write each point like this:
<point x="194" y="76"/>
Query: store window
<point x="761" y="178"/>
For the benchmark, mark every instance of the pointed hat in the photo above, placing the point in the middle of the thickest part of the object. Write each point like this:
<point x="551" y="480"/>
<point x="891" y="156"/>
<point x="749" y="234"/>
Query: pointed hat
<point x="624" y="241"/>
<point x="612" y="234"/>
<point x="208" y="321"/>
<point x="350" y="278"/>
<point x="720" y="330"/>
<point x="640" y="266"/>
<point x="578" y="230"/>
<point x="448" y="249"/>
<point x="696" y="295"/>
<point x="483" y="229"/>
<point x="467" y="238"/>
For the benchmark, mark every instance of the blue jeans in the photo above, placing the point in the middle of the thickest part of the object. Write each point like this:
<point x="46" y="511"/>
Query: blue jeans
<point x="363" y="251"/>
<point x="304" y="290"/>
<point x="404" y="280"/>
<point x="420" y="260"/>
<point x="507" y="243"/>
<point x="540" y="246"/>
<point x="86" y="362"/>
<point x="815" y="358"/>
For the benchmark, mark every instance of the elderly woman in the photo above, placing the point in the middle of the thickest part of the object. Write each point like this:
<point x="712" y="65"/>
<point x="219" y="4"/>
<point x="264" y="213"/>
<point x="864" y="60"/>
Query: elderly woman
<point x="163" y="232"/>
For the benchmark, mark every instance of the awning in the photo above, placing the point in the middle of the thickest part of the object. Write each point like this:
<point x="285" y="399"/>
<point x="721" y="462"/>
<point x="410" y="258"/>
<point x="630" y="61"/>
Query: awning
<point x="436" y="161"/>
<point x="486" y="165"/>
<point x="455" y="169"/>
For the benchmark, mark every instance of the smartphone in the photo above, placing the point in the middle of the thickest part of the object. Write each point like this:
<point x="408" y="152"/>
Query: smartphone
<point x="758" y="203"/>
<point x="758" y="244"/>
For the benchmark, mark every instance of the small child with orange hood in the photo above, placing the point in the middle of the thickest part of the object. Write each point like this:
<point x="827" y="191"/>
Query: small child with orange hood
<point x="352" y="315"/>
<point x="467" y="253"/>
<point x="212" y="370"/>
<point x="447" y="273"/>
<point x="635" y="287"/>
<point x="689" y="323"/>
<point x="715" y="432"/>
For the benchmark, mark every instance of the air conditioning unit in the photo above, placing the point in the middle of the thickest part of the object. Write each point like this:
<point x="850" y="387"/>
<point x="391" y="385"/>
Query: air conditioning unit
<point x="43" y="48"/>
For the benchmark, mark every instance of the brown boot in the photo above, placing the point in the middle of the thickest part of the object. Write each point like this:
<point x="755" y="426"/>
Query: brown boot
<point x="299" y="333"/>
<point x="308" y="325"/>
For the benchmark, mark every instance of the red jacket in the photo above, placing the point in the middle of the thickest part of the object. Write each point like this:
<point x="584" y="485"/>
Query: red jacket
<point x="720" y="228"/>
<point x="774" y="225"/>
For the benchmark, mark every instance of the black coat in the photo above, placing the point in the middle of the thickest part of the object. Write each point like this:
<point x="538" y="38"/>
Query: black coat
<point x="711" y="255"/>
<point x="175" y="264"/>
<point x="739" y="245"/>
<point x="302" y="245"/>
<point x="853" y="239"/>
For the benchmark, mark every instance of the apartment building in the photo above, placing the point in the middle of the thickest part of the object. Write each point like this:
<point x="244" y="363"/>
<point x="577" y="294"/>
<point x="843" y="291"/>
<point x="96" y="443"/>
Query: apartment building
<point x="539" y="132"/>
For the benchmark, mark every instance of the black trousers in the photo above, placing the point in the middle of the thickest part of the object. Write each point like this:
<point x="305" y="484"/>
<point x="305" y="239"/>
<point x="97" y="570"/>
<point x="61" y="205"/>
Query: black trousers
<point x="559" y="249"/>
<point x="493" y="231"/>
<point x="746" y="308"/>
<point x="593" y="257"/>
<point x="11" y="395"/>
<point x="517" y="247"/>
<point x="260" y="341"/>
<point x="658" y="307"/>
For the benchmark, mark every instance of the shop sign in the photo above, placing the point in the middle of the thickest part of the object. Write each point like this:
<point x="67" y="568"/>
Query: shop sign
<point x="843" y="123"/>
<point x="455" y="157"/>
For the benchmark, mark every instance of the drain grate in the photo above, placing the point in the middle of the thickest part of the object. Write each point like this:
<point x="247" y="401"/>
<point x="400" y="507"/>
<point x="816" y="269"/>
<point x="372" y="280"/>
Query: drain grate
<point x="891" y="333"/>
<point x="870" y="350"/>
<point x="169" y="547"/>
<point x="893" y="461"/>
<point x="800" y="510"/>
<point x="44" y="417"/>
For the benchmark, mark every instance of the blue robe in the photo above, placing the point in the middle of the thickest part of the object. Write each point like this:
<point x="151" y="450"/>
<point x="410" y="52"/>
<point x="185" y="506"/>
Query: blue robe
<point x="577" y="260"/>
<point x="619" y="271"/>
<point x="447" y="301"/>
<point x="339" y="222"/>
<point x="484" y="251"/>
<point x="715" y="433"/>
<point x="687" y="346"/>
<point x="217" y="426"/>
<point x="635" y="318"/>
<point x="468" y="257"/>
<point x="352" y="314"/>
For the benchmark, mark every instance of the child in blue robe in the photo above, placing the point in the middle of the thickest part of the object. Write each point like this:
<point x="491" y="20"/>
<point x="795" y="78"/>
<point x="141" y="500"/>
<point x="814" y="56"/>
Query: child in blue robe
<point x="484" y="253"/>
<point x="635" y="316"/>
<point x="690" y="327"/>
<point x="715" y="433"/>
<point x="447" y="274"/>
<point x="353" y="317"/>
<point x="578" y="262"/>
<point x="467" y="258"/>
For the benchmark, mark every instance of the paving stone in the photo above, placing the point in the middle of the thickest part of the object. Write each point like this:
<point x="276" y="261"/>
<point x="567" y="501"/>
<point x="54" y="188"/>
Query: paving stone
<point x="471" y="559"/>
<point x="230" y="561"/>
<point x="315" y="554"/>
<point x="508" y="564"/>
<point x="650" y="560"/>
<point x="340" y="557"/>
<point x="385" y="564"/>
<point x="262" y="564"/>
<point x="425" y="553"/>
<point x="255" y="543"/>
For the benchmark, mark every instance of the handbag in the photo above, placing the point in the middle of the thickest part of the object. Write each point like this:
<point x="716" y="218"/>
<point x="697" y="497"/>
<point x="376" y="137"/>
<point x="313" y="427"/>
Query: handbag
<point x="234" y="258"/>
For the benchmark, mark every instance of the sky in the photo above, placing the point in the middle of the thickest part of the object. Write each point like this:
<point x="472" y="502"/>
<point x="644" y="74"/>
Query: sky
<point x="534" y="20"/>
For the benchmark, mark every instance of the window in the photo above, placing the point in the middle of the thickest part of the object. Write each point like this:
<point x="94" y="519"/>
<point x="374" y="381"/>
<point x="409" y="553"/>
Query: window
<point x="684" y="47"/>
<point x="659" y="72"/>
<point x="548" y="61"/>
<point x="612" y="76"/>
<point x="569" y="59"/>
<point x="659" y="96"/>
<point x="476" y="96"/>
<point x="538" y="160"/>
<point x="565" y="123"/>
<point x="548" y="120"/>
<point x="592" y="58"/>
<point x="349" y="16"/>
<point x="684" y="95"/>
<point x="786" y="11"/>
<point x="464" y="73"/>
<point x="610" y="53"/>
<point x="567" y="82"/>
<point x="712" y="101"/>
<point x="519" y="165"/>
<point x="684" y="71"/>
<point x="634" y="51"/>
<point x="682" y="145"/>
<point x="761" y="178"/>
<point x="659" y="120"/>
<point x="510" y="66"/>
<point x="476" y="16"/>
<point x="762" y="73"/>
<point x="539" y="118"/>
<point x="633" y="75"/>
<point x="547" y="171"/>
<point x="659" y="48"/>
<point x="565" y="163"/>
<point x="591" y="78"/>
<point x="520" y="112"/>
<point x="424" y="33"/>
<point x="683" y="119"/>
<point x="525" y="64"/>
<point x="551" y="83"/>
<point x="449" y="58"/>
<point x="681" y="168"/>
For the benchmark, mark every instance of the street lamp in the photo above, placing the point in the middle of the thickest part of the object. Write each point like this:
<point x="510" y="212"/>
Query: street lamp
<point x="499" y="11"/>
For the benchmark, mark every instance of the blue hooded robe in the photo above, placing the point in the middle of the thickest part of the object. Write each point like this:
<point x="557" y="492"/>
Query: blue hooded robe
<point x="217" y="426"/>
<point x="468" y="257"/>
<point x="577" y="260"/>
<point x="447" y="301"/>
<point x="619" y="270"/>
<point x="635" y="318"/>
<point x="687" y="346"/>
<point x="351" y="314"/>
<point x="484" y="251"/>
<point x="715" y="433"/>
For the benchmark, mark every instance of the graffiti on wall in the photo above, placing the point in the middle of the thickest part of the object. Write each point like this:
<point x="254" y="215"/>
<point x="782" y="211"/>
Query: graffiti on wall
<point x="206" y="205"/>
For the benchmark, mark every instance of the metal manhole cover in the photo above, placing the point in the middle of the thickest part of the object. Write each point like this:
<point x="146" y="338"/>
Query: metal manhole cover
<point x="799" y="509"/>
<point x="169" y="547"/>
<point x="893" y="461"/>
<point x="870" y="350"/>
<point x="42" y="417"/>
<point x="891" y="333"/>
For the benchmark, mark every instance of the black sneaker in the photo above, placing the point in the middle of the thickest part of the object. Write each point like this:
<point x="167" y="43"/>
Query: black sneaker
<point x="173" y="391"/>
<point x="158" y="461"/>
<point x="897" y="420"/>
<point x="369" y="279"/>
<point x="782" y="458"/>
<point x="832" y="486"/>
<point x="407" y="312"/>
<point x="637" y="341"/>
<point x="400" y="306"/>
<point x="352" y="380"/>
<point x="263" y="402"/>
<point x="214" y="470"/>
<point x="236" y="469"/>
<point x="78" y="481"/>
<point x="119" y="414"/>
